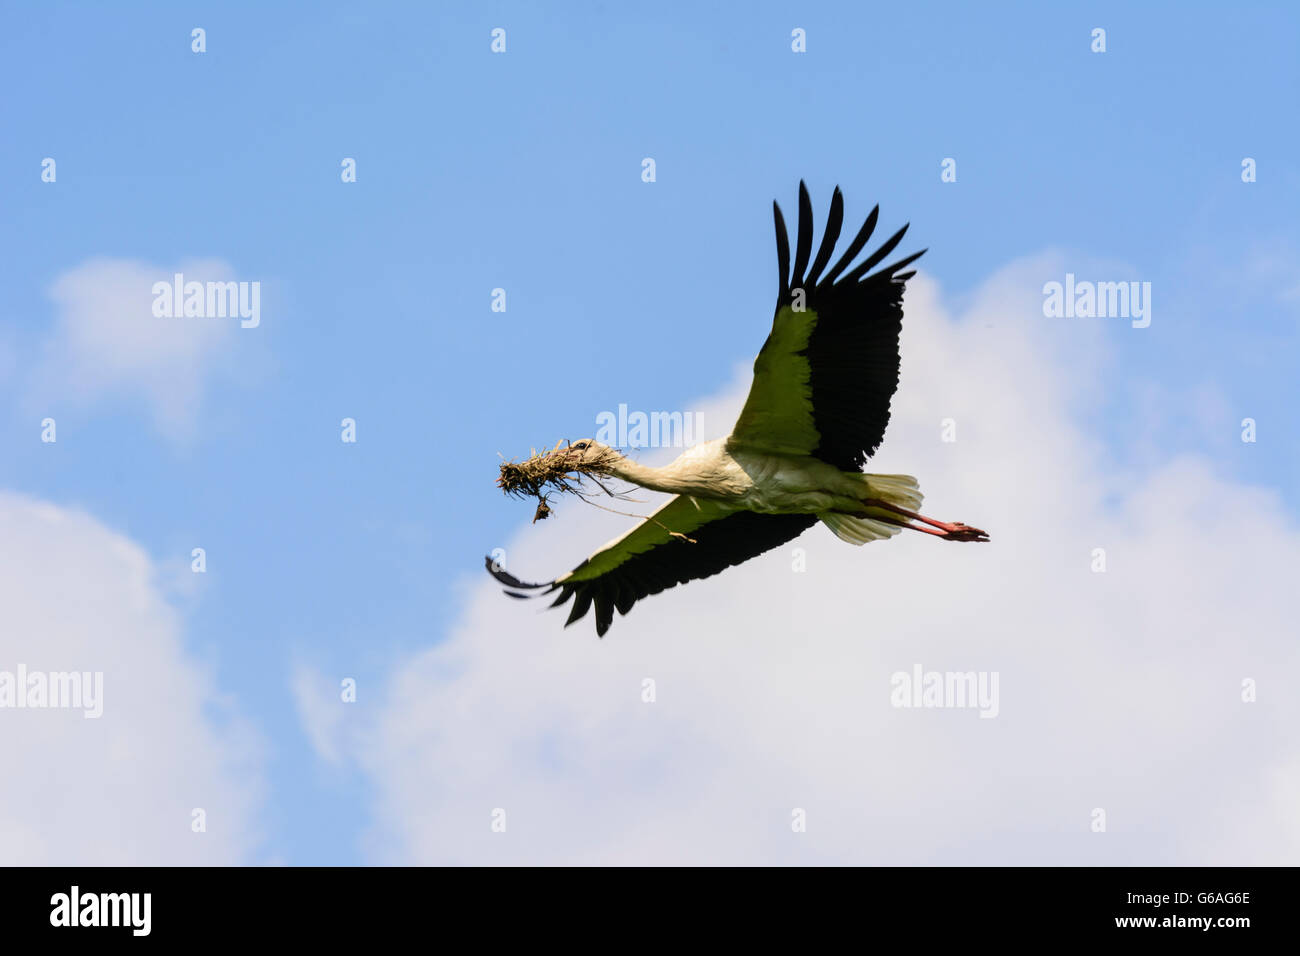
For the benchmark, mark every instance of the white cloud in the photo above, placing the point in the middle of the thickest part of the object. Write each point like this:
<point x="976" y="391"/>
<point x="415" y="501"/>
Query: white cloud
<point x="106" y="342"/>
<point x="120" y="789"/>
<point x="1119" y="691"/>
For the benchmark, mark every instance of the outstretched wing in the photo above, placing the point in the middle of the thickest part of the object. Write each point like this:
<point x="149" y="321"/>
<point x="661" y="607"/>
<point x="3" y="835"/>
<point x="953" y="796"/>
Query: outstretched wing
<point x="687" y="538"/>
<point x="823" y="381"/>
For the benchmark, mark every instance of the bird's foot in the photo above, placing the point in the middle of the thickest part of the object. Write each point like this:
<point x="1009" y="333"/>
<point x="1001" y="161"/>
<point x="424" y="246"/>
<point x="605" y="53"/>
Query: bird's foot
<point x="956" y="531"/>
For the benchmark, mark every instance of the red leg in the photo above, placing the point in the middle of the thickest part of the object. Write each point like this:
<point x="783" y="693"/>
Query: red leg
<point x="948" y="530"/>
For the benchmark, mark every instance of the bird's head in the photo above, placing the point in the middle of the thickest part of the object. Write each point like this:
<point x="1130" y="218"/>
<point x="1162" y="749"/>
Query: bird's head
<point x="590" y="454"/>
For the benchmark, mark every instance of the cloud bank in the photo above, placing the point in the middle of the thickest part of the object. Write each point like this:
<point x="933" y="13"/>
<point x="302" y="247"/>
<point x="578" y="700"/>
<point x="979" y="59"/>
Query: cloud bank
<point x="122" y="788"/>
<point x="1120" y="691"/>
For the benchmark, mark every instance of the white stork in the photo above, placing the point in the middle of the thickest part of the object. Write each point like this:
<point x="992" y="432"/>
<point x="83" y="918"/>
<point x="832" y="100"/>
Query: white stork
<point x="816" y="411"/>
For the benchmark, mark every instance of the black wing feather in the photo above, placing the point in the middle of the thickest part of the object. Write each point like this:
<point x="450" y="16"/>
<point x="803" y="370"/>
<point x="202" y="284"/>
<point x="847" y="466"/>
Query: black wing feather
<point x="714" y="547"/>
<point x="804" y="249"/>
<point x="853" y="347"/>
<point x="581" y="605"/>
<point x="871" y="260"/>
<point x="859" y="241"/>
<point x="829" y="238"/>
<point x="782" y="250"/>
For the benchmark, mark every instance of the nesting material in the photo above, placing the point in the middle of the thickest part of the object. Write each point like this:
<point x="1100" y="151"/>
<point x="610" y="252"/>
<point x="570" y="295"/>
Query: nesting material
<point x="556" y="470"/>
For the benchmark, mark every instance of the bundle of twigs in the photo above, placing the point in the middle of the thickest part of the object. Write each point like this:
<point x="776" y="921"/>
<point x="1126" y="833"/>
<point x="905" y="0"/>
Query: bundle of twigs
<point x="541" y="475"/>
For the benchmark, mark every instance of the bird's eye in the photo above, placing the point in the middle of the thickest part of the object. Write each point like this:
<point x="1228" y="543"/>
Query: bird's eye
<point x="581" y="446"/>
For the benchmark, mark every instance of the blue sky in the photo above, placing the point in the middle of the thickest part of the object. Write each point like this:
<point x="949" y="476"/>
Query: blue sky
<point x="523" y="171"/>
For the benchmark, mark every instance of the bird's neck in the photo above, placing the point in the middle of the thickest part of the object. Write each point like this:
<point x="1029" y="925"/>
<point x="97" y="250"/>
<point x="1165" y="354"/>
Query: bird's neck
<point x="656" y="479"/>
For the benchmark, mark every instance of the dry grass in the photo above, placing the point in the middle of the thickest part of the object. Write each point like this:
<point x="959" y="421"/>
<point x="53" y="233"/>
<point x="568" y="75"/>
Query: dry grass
<point x="544" y="474"/>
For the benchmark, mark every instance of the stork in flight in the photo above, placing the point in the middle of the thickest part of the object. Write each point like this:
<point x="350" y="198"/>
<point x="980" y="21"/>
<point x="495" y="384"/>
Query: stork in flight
<point x="816" y="411"/>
